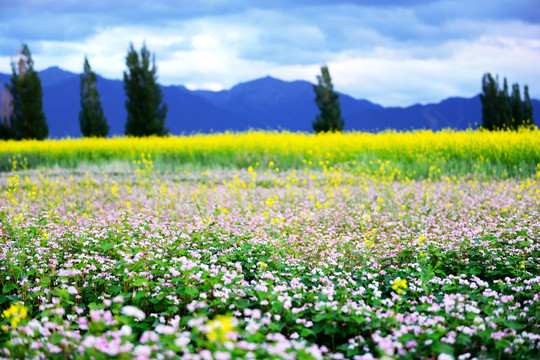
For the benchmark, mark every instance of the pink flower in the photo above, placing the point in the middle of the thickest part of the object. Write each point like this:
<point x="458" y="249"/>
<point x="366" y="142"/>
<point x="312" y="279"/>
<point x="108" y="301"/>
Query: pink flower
<point x="411" y="344"/>
<point x="134" y="312"/>
<point x="497" y="335"/>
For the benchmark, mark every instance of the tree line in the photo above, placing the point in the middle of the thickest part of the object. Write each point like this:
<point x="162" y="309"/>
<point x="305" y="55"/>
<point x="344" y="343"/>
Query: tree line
<point x="23" y="117"/>
<point x="501" y="110"/>
<point x="22" y="107"/>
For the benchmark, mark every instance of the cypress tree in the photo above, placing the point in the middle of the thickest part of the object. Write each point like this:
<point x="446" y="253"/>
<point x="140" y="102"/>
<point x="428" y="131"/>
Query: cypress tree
<point x="505" y="108"/>
<point x="327" y="100"/>
<point x="6" y="105"/>
<point x="490" y="98"/>
<point x="527" y="107"/>
<point x="146" y="111"/>
<point x="517" y="107"/>
<point x="27" y="119"/>
<point x="91" y="117"/>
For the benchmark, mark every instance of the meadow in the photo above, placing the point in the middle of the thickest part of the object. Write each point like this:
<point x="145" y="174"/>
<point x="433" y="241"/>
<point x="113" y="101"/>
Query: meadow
<point x="272" y="246"/>
<point x="417" y="154"/>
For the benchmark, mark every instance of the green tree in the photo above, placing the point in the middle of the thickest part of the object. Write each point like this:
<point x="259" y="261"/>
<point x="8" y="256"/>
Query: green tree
<point x="91" y="118"/>
<point x="6" y="108"/>
<point x="27" y="120"/>
<point x="491" y="117"/>
<point x="517" y="107"/>
<point x="527" y="107"/>
<point x="146" y="111"/>
<point x="505" y="108"/>
<point x="327" y="100"/>
<point x="501" y="110"/>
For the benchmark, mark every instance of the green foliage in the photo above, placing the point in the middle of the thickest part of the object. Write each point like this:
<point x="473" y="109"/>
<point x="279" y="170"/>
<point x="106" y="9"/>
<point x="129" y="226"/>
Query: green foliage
<point x="527" y="107"/>
<point x="517" y="106"/>
<point x="5" y="132"/>
<point x="28" y="119"/>
<point x="489" y="97"/>
<point x="145" y="107"/>
<point x="505" y="108"/>
<point x="93" y="122"/>
<point x="500" y="110"/>
<point x="328" y="102"/>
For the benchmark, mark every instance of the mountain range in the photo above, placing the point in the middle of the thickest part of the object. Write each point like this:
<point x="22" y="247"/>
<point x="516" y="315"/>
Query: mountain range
<point x="265" y="103"/>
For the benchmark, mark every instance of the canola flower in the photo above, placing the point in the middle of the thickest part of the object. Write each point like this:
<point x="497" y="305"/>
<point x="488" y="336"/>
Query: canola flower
<point x="413" y="154"/>
<point x="14" y="315"/>
<point x="220" y="329"/>
<point x="400" y="285"/>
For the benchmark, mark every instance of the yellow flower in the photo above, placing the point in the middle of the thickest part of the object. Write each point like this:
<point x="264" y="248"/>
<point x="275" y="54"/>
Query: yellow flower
<point x="400" y="285"/>
<point x="220" y="328"/>
<point x="270" y="201"/>
<point x="15" y="314"/>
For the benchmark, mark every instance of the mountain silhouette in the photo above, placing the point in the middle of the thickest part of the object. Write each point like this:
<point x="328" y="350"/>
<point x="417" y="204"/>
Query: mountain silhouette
<point x="266" y="103"/>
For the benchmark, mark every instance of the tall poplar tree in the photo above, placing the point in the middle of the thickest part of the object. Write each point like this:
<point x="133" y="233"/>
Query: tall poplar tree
<point x="517" y="107"/>
<point x="527" y="107"/>
<point x="327" y="100"/>
<point x="146" y="111"/>
<point x="91" y="118"/>
<point x="501" y="110"/>
<point x="491" y="117"/>
<point x="6" y="108"/>
<point x="27" y="120"/>
<point x="505" y="108"/>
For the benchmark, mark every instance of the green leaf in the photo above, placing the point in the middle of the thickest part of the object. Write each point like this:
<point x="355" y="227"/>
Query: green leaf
<point x="13" y="298"/>
<point x="442" y="348"/>
<point x="8" y="287"/>
<point x="115" y="289"/>
<point x="120" y="263"/>
<point x="307" y="332"/>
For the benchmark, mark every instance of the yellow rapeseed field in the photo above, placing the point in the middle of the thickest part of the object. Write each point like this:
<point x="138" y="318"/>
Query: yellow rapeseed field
<point x="416" y="153"/>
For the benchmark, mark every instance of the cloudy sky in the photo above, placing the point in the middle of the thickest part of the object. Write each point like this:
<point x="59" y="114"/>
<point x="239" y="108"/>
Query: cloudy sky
<point x="392" y="52"/>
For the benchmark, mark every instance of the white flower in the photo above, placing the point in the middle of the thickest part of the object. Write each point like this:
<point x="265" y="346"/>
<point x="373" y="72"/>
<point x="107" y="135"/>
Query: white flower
<point x="133" y="311"/>
<point x="221" y="355"/>
<point x="143" y="350"/>
<point x="445" y="357"/>
<point x="183" y="339"/>
<point x="125" y="330"/>
<point x="72" y="290"/>
<point x="165" y="330"/>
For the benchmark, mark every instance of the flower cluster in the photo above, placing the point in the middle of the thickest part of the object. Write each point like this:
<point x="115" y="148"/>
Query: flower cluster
<point x="14" y="315"/>
<point x="399" y="285"/>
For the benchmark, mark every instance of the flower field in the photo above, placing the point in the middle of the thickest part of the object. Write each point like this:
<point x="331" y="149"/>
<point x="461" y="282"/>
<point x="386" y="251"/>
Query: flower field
<point x="313" y="258"/>
<point x="415" y="154"/>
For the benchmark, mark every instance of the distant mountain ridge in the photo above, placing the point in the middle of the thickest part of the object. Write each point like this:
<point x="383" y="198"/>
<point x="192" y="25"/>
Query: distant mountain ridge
<point x="266" y="103"/>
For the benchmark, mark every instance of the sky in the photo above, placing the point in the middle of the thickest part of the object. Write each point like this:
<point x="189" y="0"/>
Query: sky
<point x="391" y="52"/>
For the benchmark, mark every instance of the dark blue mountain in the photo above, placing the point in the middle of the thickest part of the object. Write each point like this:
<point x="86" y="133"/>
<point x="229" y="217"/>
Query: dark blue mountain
<point x="455" y="113"/>
<point x="275" y="104"/>
<point x="265" y="103"/>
